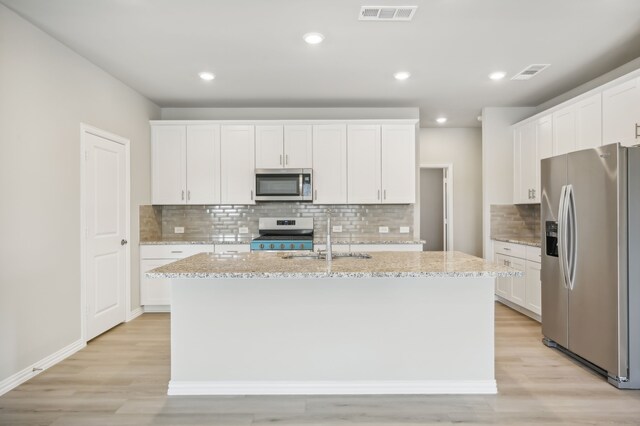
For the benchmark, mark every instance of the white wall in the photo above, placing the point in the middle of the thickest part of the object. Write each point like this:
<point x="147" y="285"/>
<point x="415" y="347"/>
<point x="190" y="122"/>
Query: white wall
<point x="497" y="162"/>
<point x="461" y="147"/>
<point x="46" y="91"/>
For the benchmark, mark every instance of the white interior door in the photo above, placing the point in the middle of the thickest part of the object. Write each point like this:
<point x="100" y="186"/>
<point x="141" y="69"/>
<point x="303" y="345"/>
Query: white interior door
<point x="106" y="227"/>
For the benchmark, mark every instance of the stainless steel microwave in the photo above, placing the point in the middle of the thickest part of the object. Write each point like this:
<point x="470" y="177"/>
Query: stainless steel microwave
<point x="284" y="185"/>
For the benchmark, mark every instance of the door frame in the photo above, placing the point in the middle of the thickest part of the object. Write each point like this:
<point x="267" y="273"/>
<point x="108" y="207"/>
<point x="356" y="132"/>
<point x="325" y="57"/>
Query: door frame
<point x="447" y="201"/>
<point x="86" y="129"/>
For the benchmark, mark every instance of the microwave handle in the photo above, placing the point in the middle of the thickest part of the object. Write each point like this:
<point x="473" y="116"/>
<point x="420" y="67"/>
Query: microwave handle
<point x="300" y="184"/>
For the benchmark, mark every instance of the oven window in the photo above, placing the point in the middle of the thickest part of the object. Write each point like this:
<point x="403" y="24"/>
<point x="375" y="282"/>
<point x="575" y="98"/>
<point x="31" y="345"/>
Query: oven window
<point x="277" y="185"/>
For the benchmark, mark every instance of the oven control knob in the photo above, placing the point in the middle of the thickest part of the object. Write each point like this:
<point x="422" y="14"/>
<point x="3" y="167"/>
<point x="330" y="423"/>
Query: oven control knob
<point x="282" y="246"/>
<point x="271" y="246"/>
<point x="292" y="246"/>
<point x="261" y="246"/>
<point x="301" y="245"/>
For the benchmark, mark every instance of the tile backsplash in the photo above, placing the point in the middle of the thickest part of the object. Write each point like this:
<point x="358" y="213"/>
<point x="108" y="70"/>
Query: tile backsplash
<point x="515" y="220"/>
<point x="204" y="222"/>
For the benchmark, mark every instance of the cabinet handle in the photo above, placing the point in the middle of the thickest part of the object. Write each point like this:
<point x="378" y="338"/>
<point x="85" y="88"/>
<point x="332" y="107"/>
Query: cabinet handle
<point x="176" y="251"/>
<point x="315" y="195"/>
<point x="189" y="195"/>
<point x="252" y="195"/>
<point x="507" y="249"/>
<point x="281" y="159"/>
<point x="286" y="159"/>
<point x="378" y="194"/>
<point x="533" y="194"/>
<point x="637" y="127"/>
<point x="183" y="195"/>
<point x="385" y="194"/>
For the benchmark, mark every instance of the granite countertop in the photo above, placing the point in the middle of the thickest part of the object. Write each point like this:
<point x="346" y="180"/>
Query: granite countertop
<point x="525" y="241"/>
<point x="381" y="265"/>
<point x="364" y="239"/>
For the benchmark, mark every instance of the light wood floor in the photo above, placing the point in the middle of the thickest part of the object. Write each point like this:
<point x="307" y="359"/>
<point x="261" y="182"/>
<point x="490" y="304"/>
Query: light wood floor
<point x="121" y="379"/>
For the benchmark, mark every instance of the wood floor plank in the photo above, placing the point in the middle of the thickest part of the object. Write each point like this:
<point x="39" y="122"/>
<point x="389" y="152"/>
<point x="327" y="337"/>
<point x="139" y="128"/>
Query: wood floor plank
<point x="121" y="378"/>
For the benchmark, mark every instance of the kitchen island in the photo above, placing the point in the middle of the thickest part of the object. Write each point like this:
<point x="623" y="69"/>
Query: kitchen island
<point x="397" y="323"/>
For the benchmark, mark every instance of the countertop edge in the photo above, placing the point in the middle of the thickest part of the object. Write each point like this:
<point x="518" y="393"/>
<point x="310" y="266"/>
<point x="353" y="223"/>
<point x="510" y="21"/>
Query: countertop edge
<point x="299" y="275"/>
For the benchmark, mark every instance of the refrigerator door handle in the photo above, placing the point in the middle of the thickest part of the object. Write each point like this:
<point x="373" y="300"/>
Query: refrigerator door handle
<point x="572" y="241"/>
<point x="561" y="235"/>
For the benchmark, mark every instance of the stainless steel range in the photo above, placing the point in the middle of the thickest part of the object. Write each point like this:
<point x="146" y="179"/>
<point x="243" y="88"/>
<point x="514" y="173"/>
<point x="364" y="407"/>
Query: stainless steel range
<point x="284" y="234"/>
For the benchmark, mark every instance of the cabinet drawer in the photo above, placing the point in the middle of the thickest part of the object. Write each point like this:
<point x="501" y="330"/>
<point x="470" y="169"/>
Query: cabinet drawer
<point x="232" y="248"/>
<point x="509" y="249"/>
<point x="385" y="247"/>
<point x="534" y="254"/>
<point x="173" y="251"/>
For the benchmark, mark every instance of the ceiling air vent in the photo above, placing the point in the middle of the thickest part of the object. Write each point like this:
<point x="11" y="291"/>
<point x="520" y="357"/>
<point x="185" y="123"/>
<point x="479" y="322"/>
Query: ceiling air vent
<point x="530" y="71"/>
<point x="387" y="13"/>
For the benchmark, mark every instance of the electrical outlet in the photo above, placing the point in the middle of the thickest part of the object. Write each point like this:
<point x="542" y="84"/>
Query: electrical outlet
<point x="404" y="229"/>
<point x="383" y="229"/>
<point x="243" y="230"/>
<point x="337" y="228"/>
<point x="178" y="230"/>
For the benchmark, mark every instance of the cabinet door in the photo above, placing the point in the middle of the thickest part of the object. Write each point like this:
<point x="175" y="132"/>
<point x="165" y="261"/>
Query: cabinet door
<point x="154" y="291"/>
<point x="398" y="164"/>
<point x="298" y="147"/>
<point x="517" y="167"/>
<point x="168" y="175"/>
<point x="544" y="135"/>
<point x="203" y="164"/>
<point x="621" y="113"/>
<point x="529" y="165"/>
<point x="503" y="284"/>
<point x="330" y="164"/>
<point x="269" y="147"/>
<point x="518" y="284"/>
<point x="237" y="171"/>
<point x="533" y="284"/>
<point x="564" y="130"/>
<point x="363" y="164"/>
<point x="589" y="122"/>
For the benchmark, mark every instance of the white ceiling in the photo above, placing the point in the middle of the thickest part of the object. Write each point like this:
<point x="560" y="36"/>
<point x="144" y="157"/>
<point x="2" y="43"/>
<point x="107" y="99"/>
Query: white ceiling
<point x="256" y="51"/>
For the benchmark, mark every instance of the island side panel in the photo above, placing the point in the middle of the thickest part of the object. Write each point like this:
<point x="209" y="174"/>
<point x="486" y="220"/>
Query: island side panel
<point x="324" y="336"/>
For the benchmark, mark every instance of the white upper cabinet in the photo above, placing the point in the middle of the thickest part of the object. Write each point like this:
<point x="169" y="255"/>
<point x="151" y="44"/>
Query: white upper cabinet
<point x="287" y="146"/>
<point x="589" y="122"/>
<point x="363" y="164"/>
<point x="185" y="164"/>
<point x="237" y="170"/>
<point x="398" y="164"/>
<point x="203" y="164"/>
<point x="544" y="135"/>
<point x="269" y="151"/>
<point x="526" y="165"/>
<point x="330" y="164"/>
<point x="564" y="130"/>
<point x="168" y="150"/>
<point x="621" y="113"/>
<point x="298" y="147"/>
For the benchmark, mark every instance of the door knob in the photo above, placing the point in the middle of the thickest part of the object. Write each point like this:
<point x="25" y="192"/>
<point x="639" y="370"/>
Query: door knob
<point x="123" y="242"/>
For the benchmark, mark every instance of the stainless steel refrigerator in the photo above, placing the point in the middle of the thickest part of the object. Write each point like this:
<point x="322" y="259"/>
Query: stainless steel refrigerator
<point x="590" y="212"/>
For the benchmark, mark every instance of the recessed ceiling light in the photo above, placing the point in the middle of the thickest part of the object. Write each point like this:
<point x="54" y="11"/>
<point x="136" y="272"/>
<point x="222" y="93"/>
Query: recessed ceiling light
<point x="498" y="75"/>
<point x="207" y="76"/>
<point x="402" y="75"/>
<point x="441" y="120"/>
<point x="313" y="38"/>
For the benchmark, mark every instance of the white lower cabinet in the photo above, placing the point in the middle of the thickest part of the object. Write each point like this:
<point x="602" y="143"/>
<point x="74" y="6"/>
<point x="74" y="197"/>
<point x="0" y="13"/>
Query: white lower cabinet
<point x="232" y="248"/>
<point x="524" y="291"/>
<point x="155" y="293"/>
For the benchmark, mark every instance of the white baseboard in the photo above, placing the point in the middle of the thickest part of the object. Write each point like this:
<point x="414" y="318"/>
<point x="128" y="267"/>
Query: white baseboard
<point x="157" y="308"/>
<point x="36" y="368"/>
<point x="515" y="307"/>
<point x="135" y="313"/>
<point x="424" y="387"/>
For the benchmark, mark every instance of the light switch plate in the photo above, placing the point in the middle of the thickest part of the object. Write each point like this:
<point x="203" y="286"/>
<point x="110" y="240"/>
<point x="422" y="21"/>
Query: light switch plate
<point x="383" y="229"/>
<point x="337" y="228"/>
<point x="243" y="230"/>
<point x="404" y="229"/>
<point x="178" y="230"/>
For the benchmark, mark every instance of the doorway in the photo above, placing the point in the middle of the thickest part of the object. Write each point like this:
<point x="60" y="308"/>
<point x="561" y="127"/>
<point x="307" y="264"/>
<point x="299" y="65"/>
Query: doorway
<point x="105" y="222"/>
<point x="436" y="195"/>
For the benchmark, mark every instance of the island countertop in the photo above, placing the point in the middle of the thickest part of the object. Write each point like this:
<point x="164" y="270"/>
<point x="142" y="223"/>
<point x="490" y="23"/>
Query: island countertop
<point x="380" y="265"/>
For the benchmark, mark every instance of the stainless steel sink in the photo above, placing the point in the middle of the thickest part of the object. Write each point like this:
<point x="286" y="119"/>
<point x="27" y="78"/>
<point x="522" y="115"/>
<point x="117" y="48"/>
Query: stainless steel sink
<point x="322" y="256"/>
